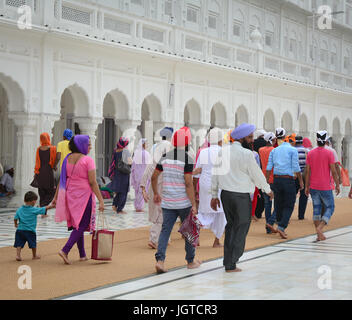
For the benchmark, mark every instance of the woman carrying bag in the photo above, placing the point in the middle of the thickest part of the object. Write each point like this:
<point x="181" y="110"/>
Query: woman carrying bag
<point x="119" y="173"/>
<point x="75" y="195"/>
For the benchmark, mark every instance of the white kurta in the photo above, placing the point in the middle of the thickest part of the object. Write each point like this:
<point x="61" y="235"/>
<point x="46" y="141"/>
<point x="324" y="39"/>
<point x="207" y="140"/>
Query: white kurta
<point x="210" y="219"/>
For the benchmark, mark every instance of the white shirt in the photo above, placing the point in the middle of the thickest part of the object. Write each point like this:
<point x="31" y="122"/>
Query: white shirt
<point x="236" y="170"/>
<point x="207" y="157"/>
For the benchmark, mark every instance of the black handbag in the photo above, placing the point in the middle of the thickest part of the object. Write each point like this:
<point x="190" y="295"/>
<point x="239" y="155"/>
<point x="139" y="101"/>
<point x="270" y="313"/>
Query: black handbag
<point x="35" y="183"/>
<point x="123" y="167"/>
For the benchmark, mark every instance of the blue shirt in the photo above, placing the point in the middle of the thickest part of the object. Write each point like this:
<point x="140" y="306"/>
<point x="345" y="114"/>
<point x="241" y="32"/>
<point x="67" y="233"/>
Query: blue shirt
<point x="284" y="159"/>
<point x="28" y="217"/>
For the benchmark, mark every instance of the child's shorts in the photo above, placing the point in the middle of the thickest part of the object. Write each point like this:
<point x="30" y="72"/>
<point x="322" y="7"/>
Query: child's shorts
<point x="23" y="236"/>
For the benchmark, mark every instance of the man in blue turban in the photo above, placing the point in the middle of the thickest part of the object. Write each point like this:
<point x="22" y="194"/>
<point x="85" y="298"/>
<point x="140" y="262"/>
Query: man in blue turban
<point x="236" y="173"/>
<point x="166" y="133"/>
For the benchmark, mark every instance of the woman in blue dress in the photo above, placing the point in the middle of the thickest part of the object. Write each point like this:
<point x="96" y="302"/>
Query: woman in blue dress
<point x="120" y="181"/>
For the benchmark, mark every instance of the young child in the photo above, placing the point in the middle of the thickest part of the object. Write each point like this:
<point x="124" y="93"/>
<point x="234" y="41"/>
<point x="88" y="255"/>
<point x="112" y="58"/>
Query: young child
<point x="26" y="228"/>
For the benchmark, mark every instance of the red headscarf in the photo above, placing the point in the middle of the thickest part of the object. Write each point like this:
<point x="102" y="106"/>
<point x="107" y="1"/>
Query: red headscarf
<point x="307" y="143"/>
<point x="182" y="137"/>
<point x="45" y="142"/>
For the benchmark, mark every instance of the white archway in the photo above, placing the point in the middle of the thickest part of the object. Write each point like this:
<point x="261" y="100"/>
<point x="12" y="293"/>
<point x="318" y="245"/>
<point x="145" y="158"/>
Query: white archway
<point x="323" y="123"/>
<point x="192" y="113"/>
<point x="218" y="115"/>
<point x="336" y="128"/>
<point x="269" y="121"/>
<point x="115" y="107"/>
<point x="346" y="145"/>
<point x="151" y="116"/>
<point x="74" y="103"/>
<point x="241" y="115"/>
<point x="7" y="131"/>
<point x="303" y="124"/>
<point x="287" y="122"/>
<point x="14" y="93"/>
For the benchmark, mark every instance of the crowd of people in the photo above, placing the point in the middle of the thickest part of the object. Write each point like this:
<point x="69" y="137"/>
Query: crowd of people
<point x="230" y="181"/>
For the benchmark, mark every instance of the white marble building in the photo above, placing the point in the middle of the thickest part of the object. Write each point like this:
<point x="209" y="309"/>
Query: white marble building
<point x="107" y="67"/>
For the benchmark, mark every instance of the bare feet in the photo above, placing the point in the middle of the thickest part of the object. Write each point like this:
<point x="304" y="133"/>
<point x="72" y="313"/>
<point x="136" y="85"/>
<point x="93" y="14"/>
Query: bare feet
<point x="273" y="230"/>
<point x="254" y="218"/>
<point x="83" y="259"/>
<point x="152" y="245"/>
<point x="122" y="212"/>
<point x="217" y="244"/>
<point x="160" y="267"/>
<point x="234" y="270"/>
<point x="320" y="236"/>
<point x="36" y="257"/>
<point x="64" y="257"/>
<point x="282" y="234"/>
<point x="193" y="265"/>
<point x="139" y="211"/>
<point x="114" y="208"/>
<point x="18" y="259"/>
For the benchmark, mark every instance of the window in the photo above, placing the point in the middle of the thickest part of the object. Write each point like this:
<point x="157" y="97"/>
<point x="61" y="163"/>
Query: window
<point x="237" y="29"/>
<point x="212" y="21"/>
<point x="293" y="46"/>
<point x="346" y="63"/>
<point x="168" y="8"/>
<point x="333" y="59"/>
<point x="269" y="39"/>
<point x="192" y="14"/>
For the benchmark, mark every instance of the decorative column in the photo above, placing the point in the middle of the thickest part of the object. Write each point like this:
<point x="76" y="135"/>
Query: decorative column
<point x="26" y="148"/>
<point x="89" y="126"/>
<point x="338" y="145"/>
<point x="349" y="154"/>
<point x="199" y="133"/>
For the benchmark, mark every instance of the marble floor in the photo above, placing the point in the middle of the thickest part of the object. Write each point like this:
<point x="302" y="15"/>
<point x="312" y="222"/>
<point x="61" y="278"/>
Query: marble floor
<point x="301" y="269"/>
<point x="48" y="229"/>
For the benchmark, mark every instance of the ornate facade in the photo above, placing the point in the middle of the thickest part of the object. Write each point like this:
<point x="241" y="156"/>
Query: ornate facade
<point x="110" y="67"/>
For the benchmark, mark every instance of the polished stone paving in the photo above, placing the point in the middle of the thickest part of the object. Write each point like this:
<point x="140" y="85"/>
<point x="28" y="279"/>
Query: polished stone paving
<point x="48" y="229"/>
<point x="300" y="269"/>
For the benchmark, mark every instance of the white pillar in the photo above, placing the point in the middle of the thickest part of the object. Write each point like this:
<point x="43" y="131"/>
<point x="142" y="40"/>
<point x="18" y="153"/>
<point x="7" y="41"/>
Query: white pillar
<point x="26" y="149"/>
<point x="349" y="155"/>
<point x="89" y="126"/>
<point x="338" y="145"/>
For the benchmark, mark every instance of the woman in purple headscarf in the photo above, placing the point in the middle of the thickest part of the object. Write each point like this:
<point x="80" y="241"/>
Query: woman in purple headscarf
<point x="120" y="181"/>
<point x="75" y="196"/>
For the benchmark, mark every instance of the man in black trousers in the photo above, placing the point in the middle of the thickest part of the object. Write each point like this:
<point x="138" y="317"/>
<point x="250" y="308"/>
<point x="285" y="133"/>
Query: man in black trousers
<point x="236" y="173"/>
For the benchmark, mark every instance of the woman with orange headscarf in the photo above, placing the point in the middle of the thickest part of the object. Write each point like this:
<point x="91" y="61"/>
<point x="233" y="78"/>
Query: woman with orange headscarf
<point x="44" y="166"/>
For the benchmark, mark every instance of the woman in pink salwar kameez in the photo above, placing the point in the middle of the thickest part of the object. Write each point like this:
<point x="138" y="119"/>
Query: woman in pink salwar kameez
<point x="75" y="196"/>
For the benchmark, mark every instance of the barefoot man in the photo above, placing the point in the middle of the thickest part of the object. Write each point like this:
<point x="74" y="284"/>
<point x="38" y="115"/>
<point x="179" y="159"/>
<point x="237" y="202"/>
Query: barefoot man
<point x="210" y="219"/>
<point x="320" y="162"/>
<point x="178" y="199"/>
<point x="236" y="173"/>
